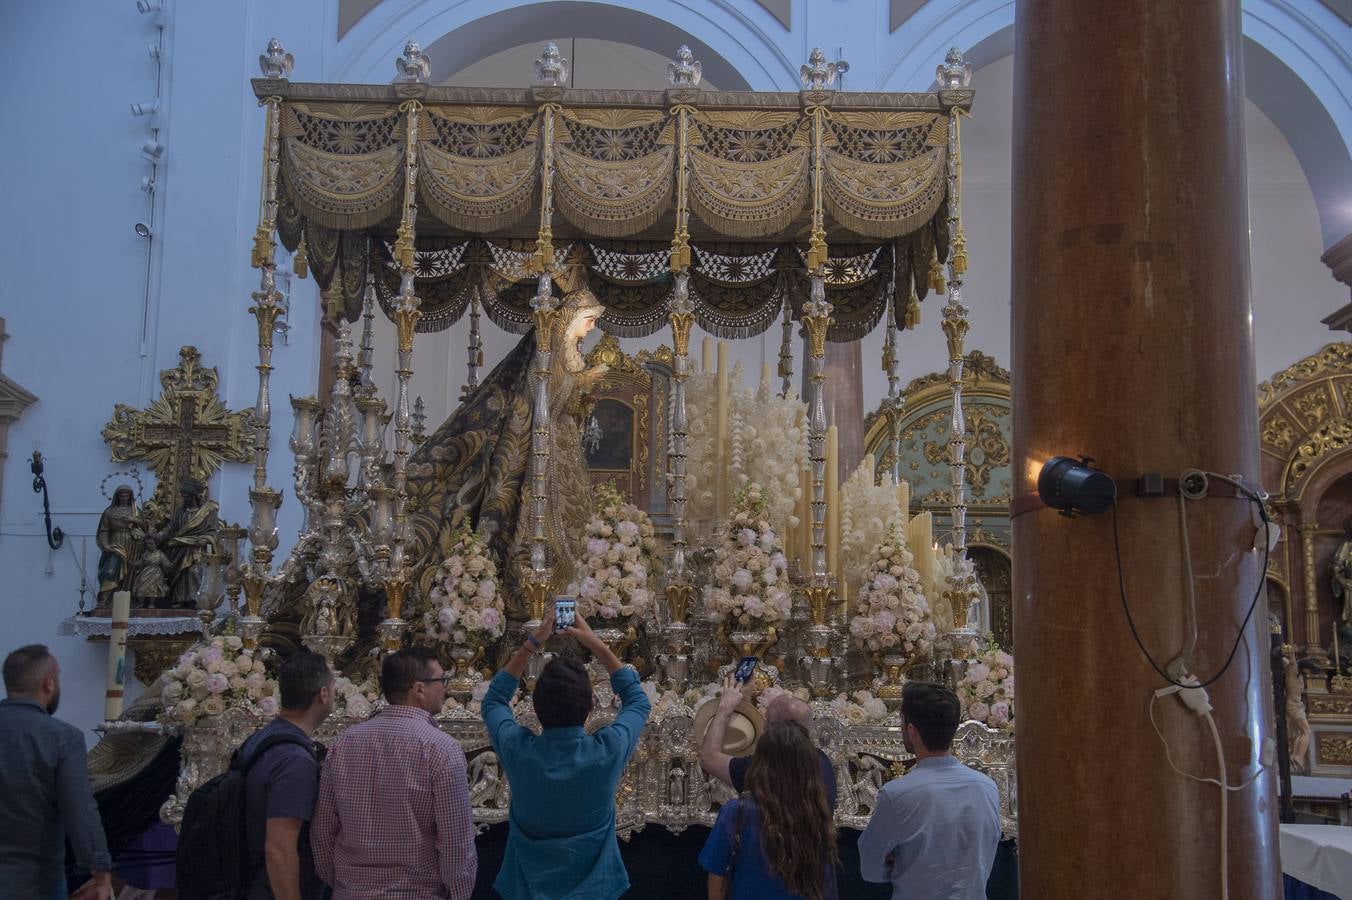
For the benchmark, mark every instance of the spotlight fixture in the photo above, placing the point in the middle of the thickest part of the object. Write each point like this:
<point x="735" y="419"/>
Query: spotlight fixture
<point x="143" y="229"/>
<point x="1070" y="486"/>
<point x="148" y="184"/>
<point x="153" y="151"/>
<point x="154" y="51"/>
<point x="146" y="7"/>
<point x="149" y="108"/>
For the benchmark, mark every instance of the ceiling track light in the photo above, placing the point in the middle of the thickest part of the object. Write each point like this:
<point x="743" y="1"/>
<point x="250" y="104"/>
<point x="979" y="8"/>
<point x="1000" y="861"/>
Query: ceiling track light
<point x="146" y="7"/>
<point x="148" y="108"/>
<point x="148" y="184"/>
<point x="1071" y="486"/>
<point x="153" y="151"/>
<point x="143" y="230"/>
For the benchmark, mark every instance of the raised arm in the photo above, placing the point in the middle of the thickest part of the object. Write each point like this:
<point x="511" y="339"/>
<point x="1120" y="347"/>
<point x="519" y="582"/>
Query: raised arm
<point x="629" y="721"/>
<point x="712" y="759"/>
<point x="496" y="706"/>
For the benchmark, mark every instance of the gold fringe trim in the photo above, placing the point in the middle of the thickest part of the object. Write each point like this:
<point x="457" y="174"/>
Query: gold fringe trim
<point x="300" y="263"/>
<point x="936" y="275"/>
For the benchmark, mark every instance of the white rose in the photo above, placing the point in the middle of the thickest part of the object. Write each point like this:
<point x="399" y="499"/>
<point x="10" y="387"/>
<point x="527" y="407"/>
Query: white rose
<point x="196" y="678"/>
<point x="234" y="642"/>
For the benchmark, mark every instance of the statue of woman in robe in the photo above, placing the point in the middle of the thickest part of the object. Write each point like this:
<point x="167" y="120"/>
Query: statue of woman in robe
<point x="476" y="466"/>
<point x="118" y="538"/>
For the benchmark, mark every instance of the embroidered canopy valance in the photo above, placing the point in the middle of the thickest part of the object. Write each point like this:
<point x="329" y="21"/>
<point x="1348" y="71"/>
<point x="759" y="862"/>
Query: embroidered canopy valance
<point x="615" y="191"/>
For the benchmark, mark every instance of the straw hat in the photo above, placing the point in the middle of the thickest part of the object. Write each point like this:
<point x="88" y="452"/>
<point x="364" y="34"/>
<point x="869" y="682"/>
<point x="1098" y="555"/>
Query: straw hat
<point x="744" y="726"/>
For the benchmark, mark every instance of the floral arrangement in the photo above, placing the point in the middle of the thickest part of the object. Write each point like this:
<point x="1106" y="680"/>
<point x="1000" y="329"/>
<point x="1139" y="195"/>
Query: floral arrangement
<point x="987" y="690"/>
<point x="474" y="706"/>
<point x="868" y="512"/>
<point x="751" y="586"/>
<point x="620" y="553"/>
<point x="356" y="700"/>
<point x="892" y="614"/>
<point x="216" y="675"/>
<point x="466" y="603"/>
<point x="860" y="708"/>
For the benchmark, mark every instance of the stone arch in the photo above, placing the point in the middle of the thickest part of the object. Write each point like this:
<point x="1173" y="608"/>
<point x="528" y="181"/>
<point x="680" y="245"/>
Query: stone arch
<point x="735" y="52"/>
<point x="1297" y="72"/>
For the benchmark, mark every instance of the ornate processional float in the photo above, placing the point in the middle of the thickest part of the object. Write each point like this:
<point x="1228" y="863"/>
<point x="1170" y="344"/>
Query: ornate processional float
<point x="551" y="210"/>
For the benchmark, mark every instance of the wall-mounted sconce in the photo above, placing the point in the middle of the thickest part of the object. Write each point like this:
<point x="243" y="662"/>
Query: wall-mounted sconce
<point x="54" y="535"/>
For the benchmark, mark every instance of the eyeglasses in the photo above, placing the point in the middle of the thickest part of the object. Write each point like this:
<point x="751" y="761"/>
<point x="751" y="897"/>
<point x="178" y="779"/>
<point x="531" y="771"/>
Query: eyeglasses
<point x="444" y="678"/>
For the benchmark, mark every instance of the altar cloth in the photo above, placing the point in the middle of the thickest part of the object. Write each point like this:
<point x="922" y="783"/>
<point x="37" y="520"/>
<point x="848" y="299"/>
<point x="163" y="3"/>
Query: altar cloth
<point x="1320" y="856"/>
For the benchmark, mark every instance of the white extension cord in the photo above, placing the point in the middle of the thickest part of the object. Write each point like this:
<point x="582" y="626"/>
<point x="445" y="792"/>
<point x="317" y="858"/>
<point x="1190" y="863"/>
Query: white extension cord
<point x="1196" y="700"/>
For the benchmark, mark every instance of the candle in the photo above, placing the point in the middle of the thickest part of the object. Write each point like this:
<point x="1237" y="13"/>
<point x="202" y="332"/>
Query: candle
<point x="765" y="379"/>
<point x="721" y="435"/>
<point x="706" y="348"/>
<point x="904" y="500"/>
<point x="805" y="513"/>
<point x="117" y="656"/>
<point x="833" y="501"/>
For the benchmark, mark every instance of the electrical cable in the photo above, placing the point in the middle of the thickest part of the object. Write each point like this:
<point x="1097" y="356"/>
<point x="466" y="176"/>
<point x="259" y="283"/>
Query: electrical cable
<point x="1126" y="607"/>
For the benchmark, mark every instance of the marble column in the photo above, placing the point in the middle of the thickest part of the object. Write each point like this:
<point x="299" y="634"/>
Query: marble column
<point x="1131" y="344"/>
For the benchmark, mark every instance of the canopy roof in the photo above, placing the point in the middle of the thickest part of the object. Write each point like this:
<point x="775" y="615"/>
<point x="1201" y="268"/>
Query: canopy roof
<point x="619" y="187"/>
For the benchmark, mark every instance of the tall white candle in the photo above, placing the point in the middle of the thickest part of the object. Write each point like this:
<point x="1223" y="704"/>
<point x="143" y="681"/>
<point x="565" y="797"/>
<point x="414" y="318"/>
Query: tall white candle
<point x="117" y="656"/>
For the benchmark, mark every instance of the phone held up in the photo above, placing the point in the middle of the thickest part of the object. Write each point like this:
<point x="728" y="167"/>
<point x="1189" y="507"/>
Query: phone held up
<point x="745" y="669"/>
<point x="565" y="612"/>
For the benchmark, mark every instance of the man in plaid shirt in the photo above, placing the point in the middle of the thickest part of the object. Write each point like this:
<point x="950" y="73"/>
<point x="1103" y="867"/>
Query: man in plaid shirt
<point x="393" y="815"/>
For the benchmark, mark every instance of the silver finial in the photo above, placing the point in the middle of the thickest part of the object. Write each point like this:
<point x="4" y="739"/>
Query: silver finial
<point x="685" y="71"/>
<point x="819" y="74"/>
<point x="276" y="62"/>
<point x="551" y="69"/>
<point x="954" y="72"/>
<point x="413" y="67"/>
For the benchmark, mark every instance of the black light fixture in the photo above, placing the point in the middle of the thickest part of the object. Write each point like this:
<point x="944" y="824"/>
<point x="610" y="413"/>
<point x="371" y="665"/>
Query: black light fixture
<point x="1070" y="486"/>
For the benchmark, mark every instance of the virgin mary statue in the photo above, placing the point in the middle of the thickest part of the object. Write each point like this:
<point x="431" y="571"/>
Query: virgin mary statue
<point x="475" y="468"/>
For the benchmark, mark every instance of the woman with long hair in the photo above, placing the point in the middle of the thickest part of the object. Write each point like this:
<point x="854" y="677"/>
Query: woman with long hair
<point x="778" y="839"/>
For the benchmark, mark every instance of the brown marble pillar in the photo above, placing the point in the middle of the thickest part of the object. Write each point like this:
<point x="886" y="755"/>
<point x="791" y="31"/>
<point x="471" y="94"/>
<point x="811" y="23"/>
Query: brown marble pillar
<point x="1131" y="344"/>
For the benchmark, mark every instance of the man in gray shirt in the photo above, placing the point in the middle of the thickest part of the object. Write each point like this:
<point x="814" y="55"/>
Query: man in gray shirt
<point x="45" y="785"/>
<point x="935" y="830"/>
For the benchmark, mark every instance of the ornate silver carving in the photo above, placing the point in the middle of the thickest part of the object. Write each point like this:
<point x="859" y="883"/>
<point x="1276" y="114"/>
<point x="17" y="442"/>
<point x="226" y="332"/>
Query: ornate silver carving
<point x="685" y="70"/>
<point x="954" y="72"/>
<point x="414" y="67"/>
<point x="818" y="74"/>
<point x="275" y="61"/>
<point x="551" y="69"/>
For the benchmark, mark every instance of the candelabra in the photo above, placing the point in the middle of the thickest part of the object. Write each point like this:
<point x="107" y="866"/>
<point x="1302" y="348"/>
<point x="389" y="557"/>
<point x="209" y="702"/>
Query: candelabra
<point x="818" y="665"/>
<point x="680" y="588"/>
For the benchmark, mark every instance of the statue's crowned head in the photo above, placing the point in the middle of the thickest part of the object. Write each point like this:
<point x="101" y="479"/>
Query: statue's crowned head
<point x="578" y="315"/>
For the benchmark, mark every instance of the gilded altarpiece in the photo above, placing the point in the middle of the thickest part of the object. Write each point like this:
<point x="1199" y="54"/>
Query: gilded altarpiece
<point x="922" y="428"/>
<point x="623" y="438"/>
<point x="1305" y="434"/>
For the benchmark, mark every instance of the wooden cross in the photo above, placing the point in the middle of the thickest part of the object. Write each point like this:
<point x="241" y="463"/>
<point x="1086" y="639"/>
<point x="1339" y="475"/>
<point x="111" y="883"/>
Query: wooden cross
<point x="185" y="433"/>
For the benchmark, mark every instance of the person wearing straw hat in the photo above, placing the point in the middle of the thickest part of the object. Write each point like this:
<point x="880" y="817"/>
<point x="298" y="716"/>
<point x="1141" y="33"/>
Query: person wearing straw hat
<point x="730" y="727"/>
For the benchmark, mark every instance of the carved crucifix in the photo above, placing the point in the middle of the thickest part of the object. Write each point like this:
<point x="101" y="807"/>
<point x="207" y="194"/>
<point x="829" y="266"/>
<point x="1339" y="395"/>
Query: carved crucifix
<point x="186" y="432"/>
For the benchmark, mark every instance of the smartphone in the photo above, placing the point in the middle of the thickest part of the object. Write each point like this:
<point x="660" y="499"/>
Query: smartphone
<point x="745" y="669"/>
<point x="565" y="612"/>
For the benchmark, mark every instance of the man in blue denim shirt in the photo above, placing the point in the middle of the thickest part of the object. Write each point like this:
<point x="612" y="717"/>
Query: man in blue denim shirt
<point x="45" y="785"/>
<point x="561" y="841"/>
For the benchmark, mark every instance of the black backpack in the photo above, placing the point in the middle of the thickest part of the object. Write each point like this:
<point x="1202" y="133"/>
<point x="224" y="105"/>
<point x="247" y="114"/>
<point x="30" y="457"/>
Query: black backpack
<point x="213" y="856"/>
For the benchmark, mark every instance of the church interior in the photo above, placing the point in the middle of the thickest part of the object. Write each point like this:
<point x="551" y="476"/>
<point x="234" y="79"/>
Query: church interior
<point x="855" y="342"/>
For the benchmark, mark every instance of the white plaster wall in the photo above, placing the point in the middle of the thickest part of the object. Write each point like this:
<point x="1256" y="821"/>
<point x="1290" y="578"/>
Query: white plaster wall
<point x="72" y="270"/>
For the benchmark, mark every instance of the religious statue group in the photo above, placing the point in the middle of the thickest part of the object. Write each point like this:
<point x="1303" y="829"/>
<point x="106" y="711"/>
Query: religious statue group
<point x="162" y="568"/>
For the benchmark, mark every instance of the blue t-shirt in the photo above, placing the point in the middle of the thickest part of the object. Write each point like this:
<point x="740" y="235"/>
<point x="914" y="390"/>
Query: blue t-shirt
<point x="753" y="879"/>
<point x="283" y="784"/>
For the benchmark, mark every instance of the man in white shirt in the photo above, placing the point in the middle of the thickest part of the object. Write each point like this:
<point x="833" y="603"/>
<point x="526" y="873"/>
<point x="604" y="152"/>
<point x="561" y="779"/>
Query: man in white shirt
<point x="935" y="830"/>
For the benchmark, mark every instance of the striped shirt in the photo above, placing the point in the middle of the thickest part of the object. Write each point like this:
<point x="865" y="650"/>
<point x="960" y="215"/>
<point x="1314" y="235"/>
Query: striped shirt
<point x="393" y="815"/>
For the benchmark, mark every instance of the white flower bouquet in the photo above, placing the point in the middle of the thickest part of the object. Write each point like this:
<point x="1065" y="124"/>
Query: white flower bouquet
<point x="355" y="700"/>
<point x="987" y="690"/>
<point x="751" y="584"/>
<point x="466" y="602"/>
<point x="860" y="708"/>
<point x="619" y="557"/>
<point x="892" y="614"/>
<point x="216" y="675"/>
<point x="868" y="512"/>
